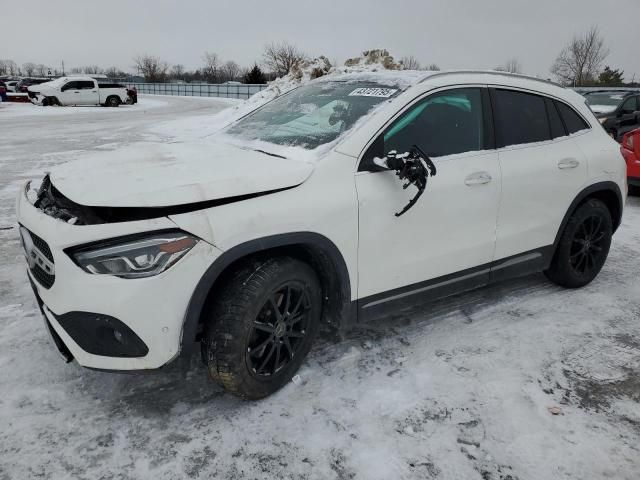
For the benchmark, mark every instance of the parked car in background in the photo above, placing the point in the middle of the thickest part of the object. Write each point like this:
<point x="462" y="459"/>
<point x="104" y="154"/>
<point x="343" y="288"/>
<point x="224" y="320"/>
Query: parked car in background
<point x="11" y="85"/>
<point x="630" y="149"/>
<point x="3" y="91"/>
<point x="77" y="91"/>
<point x="24" y="83"/>
<point x="618" y="111"/>
<point x="344" y="200"/>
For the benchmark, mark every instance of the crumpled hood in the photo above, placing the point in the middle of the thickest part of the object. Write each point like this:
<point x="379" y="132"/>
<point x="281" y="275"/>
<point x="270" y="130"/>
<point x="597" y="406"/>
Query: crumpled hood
<point x="167" y="174"/>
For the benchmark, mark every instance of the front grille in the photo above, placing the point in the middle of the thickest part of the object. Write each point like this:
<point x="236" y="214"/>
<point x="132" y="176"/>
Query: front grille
<point x="37" y="266"/>
<point x="32" y="94"/>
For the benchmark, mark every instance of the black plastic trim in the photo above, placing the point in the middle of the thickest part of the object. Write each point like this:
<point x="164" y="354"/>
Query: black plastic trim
<point x="201" y="292"/>
<point x="380" y="304"/>
<point x="634" y="181"/>
<point x="95" y="334"/>
<point x="590" y="190"/>
<point x="62" y="348"/>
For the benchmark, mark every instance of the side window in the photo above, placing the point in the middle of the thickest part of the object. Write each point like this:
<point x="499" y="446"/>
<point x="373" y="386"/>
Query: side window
<point x="69" y="86"/>
<point x="555" y="122"/>
<point x="520" y="118"/>
<point x="442" y="124"/>
<point x="629" y="106"/>
<point x="85" y="85"/>
<point x="571" y="119"/>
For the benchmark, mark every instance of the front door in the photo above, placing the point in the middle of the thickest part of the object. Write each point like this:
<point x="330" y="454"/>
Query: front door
<point x="446" y="240"/>
<point x="70" y="94"/>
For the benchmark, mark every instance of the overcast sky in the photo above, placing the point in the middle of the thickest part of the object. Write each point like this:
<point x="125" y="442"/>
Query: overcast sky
<point x="451" y="33"/>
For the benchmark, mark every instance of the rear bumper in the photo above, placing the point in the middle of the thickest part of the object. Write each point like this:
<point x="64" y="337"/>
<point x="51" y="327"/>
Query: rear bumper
<point x="85" y="311"/>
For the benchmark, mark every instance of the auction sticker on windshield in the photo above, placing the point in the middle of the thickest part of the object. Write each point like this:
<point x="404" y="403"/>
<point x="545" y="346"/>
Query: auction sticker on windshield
<point x="373" y="92"/>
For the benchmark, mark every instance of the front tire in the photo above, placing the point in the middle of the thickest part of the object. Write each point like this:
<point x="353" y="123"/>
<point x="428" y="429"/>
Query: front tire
<point x="583" y="247"/>
<point x="261" y="326"/>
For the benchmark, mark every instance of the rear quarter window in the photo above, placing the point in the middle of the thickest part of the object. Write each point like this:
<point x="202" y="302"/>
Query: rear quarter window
<point x="571" y="119"/>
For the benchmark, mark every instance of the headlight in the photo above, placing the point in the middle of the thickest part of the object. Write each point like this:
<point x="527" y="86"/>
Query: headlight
<point x="603" y="119"/>
<point x="134" y="258"/>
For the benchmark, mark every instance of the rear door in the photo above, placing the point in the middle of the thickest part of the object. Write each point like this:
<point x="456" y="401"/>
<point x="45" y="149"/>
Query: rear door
<point x="543" y="170"/>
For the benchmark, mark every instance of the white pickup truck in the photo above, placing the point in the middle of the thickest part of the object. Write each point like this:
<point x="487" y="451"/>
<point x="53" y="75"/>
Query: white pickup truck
<point x="77" y="91"/>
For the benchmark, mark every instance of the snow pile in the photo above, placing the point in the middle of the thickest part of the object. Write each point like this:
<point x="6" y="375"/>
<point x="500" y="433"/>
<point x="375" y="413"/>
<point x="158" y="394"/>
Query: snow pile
<point x="373" y="60"/>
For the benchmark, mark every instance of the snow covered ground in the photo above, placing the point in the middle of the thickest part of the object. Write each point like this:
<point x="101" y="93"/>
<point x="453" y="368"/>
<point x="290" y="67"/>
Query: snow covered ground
<point x="464" y="389"/>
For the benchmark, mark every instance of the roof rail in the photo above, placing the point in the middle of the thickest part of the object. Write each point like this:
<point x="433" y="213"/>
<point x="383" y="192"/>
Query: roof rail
<point x="490" y="72"/>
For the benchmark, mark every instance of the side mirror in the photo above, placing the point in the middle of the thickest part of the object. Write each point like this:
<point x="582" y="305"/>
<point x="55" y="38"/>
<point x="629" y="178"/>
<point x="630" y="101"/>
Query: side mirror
<point x="635" y="138"/>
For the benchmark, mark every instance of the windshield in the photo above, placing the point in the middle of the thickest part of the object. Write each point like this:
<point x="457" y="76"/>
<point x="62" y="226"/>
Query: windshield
<point x="608" y="99"/>
<point x="312" y="115"/>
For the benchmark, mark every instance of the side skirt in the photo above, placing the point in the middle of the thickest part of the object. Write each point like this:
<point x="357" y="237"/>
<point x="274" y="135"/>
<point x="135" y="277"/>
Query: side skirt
<point x="381" y="304"/>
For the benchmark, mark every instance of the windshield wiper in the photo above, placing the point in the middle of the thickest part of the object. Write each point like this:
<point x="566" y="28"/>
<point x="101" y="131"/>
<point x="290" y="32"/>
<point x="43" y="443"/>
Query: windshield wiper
<point x="269" y="153"/>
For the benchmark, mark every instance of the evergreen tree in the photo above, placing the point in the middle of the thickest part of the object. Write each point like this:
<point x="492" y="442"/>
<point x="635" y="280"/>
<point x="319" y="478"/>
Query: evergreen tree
<point x="255" y="75"/>
<point x="611" y="78"/>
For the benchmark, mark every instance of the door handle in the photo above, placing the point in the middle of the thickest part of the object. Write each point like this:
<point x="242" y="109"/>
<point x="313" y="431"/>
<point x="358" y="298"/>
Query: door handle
<point x="477" y="178"/>
<point x="568" y="163"/>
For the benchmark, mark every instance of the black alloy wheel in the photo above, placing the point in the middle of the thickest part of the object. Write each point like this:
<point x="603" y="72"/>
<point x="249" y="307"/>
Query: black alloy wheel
<point x="278" y="330"/>
<point x="583" y="246"/>
<point x="587" y="248"/>
<point x="261" y="324"/>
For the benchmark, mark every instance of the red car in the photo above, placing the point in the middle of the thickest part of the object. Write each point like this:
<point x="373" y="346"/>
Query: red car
<point x="630" y="149"/>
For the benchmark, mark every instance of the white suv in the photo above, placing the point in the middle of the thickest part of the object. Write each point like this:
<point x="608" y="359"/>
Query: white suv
<point x="296" y="214"/>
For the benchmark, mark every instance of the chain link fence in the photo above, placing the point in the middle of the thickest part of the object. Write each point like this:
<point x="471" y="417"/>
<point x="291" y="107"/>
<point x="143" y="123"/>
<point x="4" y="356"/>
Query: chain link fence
<point x="224" y="90"/>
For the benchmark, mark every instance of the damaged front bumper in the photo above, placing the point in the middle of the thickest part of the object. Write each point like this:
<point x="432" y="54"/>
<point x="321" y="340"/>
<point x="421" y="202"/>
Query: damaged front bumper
<point x="103" y="321"/>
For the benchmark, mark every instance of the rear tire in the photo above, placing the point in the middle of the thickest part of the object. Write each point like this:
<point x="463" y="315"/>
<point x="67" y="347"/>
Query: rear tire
<point x="113" y="102"/>
<point x="583" y="247"/>
<point x="261" y="326"/>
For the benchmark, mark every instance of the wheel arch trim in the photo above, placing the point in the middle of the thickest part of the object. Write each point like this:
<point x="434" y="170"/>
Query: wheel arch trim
<point x="606" y="186"/>
<point x="251" y="247"/>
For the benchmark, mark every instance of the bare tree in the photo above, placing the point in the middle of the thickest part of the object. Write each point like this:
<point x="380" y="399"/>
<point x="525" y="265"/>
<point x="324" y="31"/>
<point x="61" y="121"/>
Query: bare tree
<point x="211" y="66"/>
<point x="433" y="67"/>
<point x="229" y="71"/>
<point x="75" y="71"/>
<point x="580" y="61"/>
<point x="512" y="66"/>
<point x="177" y="72"/>
<point x="281" y="57"/>
<point x="410" y="63"/>
<point x="42" y="70"/>
<point x="114" y="72"/>
<point x="29" y="68"/>
<point x="152" y="68"/>
<point x="92" y="69"/>
<point x="12" y="67"/>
